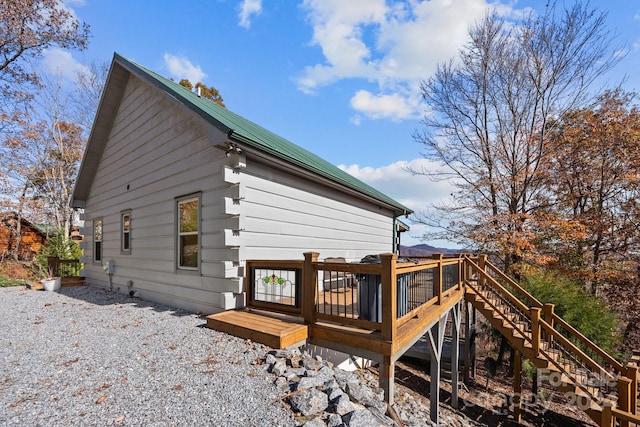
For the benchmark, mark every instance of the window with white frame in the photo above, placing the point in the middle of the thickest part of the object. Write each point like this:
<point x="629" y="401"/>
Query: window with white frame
<point x="97" y="240"/>
<point x="188" y="233"/>
<point x="125" y="232"/>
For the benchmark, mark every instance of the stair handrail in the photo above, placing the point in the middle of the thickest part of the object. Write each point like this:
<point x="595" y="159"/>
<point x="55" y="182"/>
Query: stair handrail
<point x="519" y="304"/>
<point x="623" y="416"/>
<point x="534" y="302"/>
<point x="497" y="310"/>
<point x="557" y="336"/>
<point x="617" y="366"/>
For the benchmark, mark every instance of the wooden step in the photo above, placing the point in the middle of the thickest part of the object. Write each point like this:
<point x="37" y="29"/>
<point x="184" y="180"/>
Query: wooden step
<point x="276" y="332"/>
<point x="73" y="281"/>
<point x="35" y="286"/>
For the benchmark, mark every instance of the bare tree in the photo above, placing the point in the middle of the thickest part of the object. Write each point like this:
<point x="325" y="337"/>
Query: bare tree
<point x="489" y="114"/>
<point x="85" y="98"/>
<point x="43" y="156"/>
<point x="27" y="28"/>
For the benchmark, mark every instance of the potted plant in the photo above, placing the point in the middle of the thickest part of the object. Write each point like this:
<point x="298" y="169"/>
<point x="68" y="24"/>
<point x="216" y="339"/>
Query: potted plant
<point x="51" y="283"/>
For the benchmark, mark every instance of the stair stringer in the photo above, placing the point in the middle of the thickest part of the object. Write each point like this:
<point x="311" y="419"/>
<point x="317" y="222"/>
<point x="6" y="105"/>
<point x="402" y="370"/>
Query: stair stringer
<point x="520" y="340"/>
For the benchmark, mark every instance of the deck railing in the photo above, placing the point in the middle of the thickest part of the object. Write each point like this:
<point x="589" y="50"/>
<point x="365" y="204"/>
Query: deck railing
<point x="64" y="267"/>
<point x="374" y="296"/>
<point x="589" y="364"/>
<point x="380" y="298"/>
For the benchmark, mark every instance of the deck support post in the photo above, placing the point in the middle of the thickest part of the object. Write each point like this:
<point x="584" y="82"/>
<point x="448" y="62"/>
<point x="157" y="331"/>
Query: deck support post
<point x="436" y="339"/>
<point x="386" y="379"/>
<point x="389" y="314"/>
<point x="469" y="342"/>
<point x="455" y="356"/>
<point x="517" y="386"/>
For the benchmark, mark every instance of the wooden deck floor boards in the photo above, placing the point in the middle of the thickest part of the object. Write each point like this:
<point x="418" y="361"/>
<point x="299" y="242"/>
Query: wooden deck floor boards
<point x="277" y="332"/>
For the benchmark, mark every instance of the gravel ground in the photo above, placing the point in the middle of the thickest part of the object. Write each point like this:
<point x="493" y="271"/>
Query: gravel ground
<point x="87" y="357"/>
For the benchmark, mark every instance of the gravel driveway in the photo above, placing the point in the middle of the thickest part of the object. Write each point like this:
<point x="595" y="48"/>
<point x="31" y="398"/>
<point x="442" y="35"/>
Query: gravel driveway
<point x="85" y="356"/>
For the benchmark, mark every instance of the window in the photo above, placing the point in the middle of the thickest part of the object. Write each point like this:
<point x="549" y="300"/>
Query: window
<point x="188" y="233"/>
<point x="125" y="232"/>
<point x="97" y="240"/>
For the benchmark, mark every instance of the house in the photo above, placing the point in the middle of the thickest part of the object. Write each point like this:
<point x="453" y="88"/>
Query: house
<point x="179" y="192"/>
<point x="31" y="240"/>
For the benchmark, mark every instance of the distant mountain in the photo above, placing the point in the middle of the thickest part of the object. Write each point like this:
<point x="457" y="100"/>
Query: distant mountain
<point x="424" y="250"/>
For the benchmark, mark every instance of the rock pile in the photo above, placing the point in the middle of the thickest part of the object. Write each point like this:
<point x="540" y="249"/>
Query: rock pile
<point x="322" y="395"/>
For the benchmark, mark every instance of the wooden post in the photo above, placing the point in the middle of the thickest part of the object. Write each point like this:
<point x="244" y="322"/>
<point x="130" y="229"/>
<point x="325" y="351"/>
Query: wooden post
<point x="517" y="386"/>
<point x="309" y="287"/>
<point x="548" y="310"/>
<point x="387" y="378"/>
<point x="606" y="418"/>
<point x="535" y="329"/>
<point x="474" y="331"/>
<point x="632" y="374"/>
<point x="438" y="277"/>
<point x="389" y="295"/>
<point x="455" y="356"/>
<point x="467" y="342"/>
<point x="482" y="263"/>
<point x="624" y="397"/>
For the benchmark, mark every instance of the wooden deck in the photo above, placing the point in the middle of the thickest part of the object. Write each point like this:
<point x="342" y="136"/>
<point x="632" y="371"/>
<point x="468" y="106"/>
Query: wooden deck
<point x="73" y="281"/>
<point x="276" y="331"/>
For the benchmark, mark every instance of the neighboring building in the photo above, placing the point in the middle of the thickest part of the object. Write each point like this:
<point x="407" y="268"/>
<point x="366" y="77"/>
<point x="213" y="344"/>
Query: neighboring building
<point x="31" y="240"/>
<point x="178" y="192"/>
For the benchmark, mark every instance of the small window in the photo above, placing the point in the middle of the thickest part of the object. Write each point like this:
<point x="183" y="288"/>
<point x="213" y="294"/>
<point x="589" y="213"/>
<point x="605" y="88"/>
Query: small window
<point x="188" y="233"/>
<point x="125" y="232"/>
<point x="97" y="240"/>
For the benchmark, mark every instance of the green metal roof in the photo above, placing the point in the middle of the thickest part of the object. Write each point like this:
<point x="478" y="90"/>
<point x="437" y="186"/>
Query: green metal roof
<point x="255" y="136"/>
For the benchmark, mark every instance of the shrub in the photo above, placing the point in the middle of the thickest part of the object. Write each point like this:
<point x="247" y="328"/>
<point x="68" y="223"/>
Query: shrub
<point x="60" y="246"/>
<point x="587" y="313"/>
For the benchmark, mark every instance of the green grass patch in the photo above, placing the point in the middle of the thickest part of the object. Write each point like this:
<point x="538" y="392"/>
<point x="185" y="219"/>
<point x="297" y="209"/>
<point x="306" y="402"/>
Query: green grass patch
<point x="6" y="282"/>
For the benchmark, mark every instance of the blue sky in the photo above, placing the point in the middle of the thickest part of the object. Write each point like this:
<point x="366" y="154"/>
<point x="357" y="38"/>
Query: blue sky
<point x="337" y="77"/>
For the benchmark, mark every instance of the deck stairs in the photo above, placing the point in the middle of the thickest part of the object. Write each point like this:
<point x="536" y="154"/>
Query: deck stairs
<point x="590" y="378"/>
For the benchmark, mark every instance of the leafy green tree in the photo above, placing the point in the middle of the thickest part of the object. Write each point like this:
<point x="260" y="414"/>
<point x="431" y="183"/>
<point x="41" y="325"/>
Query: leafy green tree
<point x="60" y="246"/>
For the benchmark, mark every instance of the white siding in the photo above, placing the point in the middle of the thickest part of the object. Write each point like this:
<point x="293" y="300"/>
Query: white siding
<point x="285" y="216"/>
<point x="155" y="153"/>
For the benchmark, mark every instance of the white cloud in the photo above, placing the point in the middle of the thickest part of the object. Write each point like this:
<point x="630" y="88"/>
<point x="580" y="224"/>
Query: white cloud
<point x="394" y="106"/>
<point x="181" y="68"/>
<point x="414" y="191"/>
<point x="394" y="45"/>
<point x="417" y="192"/>
<point x="247" y="9"/>
<point x="60" y="62"/>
